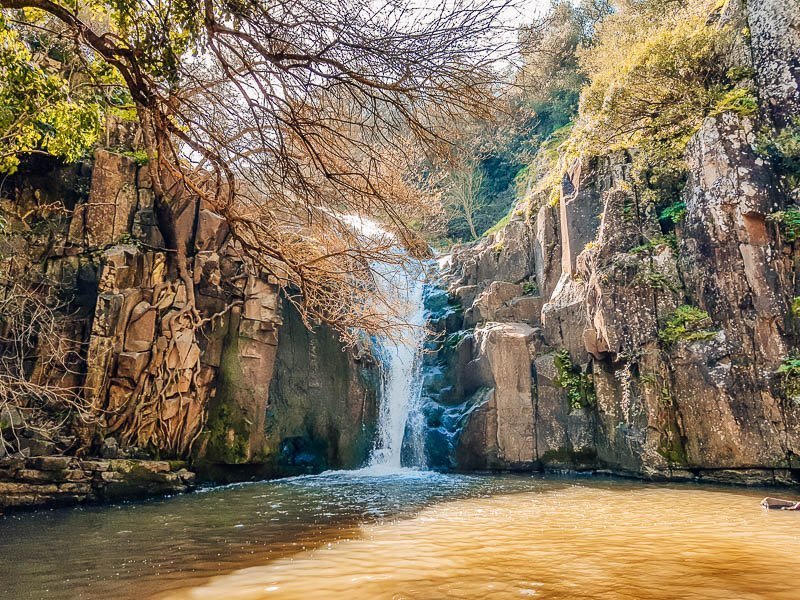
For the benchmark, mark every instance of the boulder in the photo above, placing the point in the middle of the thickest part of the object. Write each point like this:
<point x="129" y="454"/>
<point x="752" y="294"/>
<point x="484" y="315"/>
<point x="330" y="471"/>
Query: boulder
<point x="490" y="302"/>
<point x="504" y="362"/>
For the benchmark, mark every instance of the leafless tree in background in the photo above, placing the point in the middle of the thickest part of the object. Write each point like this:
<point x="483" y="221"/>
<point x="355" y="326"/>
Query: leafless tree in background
<point x="464" y="194"/>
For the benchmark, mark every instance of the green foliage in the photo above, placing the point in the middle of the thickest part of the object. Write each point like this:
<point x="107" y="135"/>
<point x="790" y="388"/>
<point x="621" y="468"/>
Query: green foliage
<point x="650" y="245"/>
<point x="790" y="376"/>
<point x="688" y="324"/>
<point x="783" y="149"/>
<point x="41" y="109"/>
<point x="789" y="221"/>
<point x="497" y="227"/>
<point x="738" y="74"/>
<point x="139" y="156"/>
<point x="738" y="100"/>
<point x="529" y="288"/>
<point x="795" y="307"/>
<point x="656" y="71"/>
<point x="514" y="157"/>
<point x="579" y="385"/>
<point x="655" y="279"/>
<point x="673" y="213"/>
<point x="161" y="43"/>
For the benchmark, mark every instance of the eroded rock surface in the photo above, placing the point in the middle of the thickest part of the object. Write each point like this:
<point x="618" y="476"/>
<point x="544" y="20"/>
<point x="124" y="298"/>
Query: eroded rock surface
<point x="616" y="379"/>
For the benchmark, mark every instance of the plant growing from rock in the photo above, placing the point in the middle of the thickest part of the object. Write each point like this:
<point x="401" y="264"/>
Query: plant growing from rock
<point x="782" y="147"/>
<point x="579" y="385"/>
<point x="39" y="361"/>
<point x="790" y="376"/>
<point x="794" y="307"/>
<point x="688" y="324"/>
<point x="789" y="222"/>
<point x="673" y="213"/>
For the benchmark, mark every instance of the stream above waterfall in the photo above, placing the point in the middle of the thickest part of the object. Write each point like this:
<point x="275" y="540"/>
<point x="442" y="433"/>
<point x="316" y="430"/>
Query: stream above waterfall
<point x="411" y="535"/>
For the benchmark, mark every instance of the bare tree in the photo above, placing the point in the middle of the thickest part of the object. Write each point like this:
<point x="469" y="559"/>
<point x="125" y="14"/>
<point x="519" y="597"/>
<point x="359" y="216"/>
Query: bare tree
<point x="464" y="194"/>
<point x="39" y="360"/>
<point x="283" y="114"/>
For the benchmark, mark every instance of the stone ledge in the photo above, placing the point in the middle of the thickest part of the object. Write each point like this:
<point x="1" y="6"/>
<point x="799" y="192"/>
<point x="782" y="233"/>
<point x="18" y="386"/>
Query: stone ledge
<point x="65" y="480"/>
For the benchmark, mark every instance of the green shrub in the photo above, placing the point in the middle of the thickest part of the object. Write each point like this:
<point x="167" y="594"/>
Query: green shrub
<point x="789" y="221"/>
<point x="656" y="71"/>
<point x="790" y="371"/>
<point x="579" y="385"/>
<point x="783" y="149"/>
<point x="673" y="213"/>
<point x="795" y="307"/>
<point x="660" y="240"/>
<point x="738" y="100"/>
<point x="688" y="324"/>
<point x="139" y="156"/>
<point x="529" y="288"/>
<point x="655" y="279"/>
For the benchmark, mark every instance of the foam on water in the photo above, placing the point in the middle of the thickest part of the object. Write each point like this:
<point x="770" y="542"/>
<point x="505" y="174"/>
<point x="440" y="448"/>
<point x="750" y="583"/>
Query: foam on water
<point x="400" y="441"/>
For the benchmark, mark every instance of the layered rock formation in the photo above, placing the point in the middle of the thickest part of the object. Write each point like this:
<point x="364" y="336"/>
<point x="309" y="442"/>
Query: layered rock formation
<point x="238" y="396"/>
<point x="591" y="336"/>
<point x="63" y="480"/>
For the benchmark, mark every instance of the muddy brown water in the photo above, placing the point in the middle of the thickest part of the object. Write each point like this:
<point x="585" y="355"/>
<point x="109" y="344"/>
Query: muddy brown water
<point x="411" y="536"/>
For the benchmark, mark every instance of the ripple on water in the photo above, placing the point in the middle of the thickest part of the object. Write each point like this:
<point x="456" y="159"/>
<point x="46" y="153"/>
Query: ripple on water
<point x="412" y="534"/>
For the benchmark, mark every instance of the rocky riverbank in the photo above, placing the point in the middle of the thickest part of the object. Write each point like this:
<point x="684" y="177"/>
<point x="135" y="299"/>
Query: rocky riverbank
<point x="594" y="333"/>
<point x="63" y="480"/>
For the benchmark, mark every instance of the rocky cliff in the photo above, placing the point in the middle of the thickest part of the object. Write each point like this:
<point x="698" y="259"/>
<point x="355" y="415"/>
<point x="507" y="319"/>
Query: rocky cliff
<point x="596" y="334"/>
<point x="249" y="392"/>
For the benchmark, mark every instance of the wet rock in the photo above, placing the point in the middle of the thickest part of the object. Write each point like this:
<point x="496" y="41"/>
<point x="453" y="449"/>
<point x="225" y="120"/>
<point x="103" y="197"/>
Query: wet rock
<point x="490" y="302"/>
<point x="110" y="448"/>
<point x="10" y="418"/>
<point x="503" y="360"/>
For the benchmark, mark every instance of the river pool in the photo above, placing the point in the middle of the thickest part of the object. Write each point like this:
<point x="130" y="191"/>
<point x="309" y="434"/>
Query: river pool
<point x="411" y="535"/>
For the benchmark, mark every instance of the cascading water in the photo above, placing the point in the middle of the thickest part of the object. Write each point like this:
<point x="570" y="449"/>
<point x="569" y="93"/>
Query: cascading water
<point x="400" y="441"/>
<point x="401" y="424"/>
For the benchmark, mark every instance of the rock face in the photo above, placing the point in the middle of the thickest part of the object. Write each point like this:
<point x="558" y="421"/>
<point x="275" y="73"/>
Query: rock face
<point x="637" y="352"/>
<point x="237" y="396"/>
<point x="775" y="30"/>
<point x="502" y="368"/>
<point x="59" y="480"/>
<point x="322" y="410"/>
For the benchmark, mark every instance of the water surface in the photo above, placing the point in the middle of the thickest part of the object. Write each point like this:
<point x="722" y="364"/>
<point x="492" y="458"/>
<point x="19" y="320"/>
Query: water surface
<point x="411" y="535"/>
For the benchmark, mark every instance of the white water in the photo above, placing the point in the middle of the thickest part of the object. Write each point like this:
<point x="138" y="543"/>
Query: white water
<point x="400" y="420"/>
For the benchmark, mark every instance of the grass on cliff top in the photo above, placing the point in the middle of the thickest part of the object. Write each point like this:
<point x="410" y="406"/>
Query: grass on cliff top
<point x="498" y="227"/>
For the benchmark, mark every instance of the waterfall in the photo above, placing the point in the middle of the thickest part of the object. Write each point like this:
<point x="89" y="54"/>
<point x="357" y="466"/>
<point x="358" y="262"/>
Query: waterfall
<point x="400" y="439"/>
<point x="401" y="424"/>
